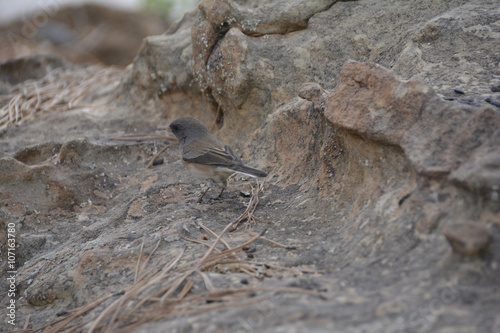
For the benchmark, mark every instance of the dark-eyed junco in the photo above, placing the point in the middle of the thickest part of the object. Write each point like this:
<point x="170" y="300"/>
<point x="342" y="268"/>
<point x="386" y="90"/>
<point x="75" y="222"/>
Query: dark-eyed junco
<point x="205" y="157"/>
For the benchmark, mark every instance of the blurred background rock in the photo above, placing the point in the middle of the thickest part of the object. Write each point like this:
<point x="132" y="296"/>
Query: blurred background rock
<point x="84" y="32"/>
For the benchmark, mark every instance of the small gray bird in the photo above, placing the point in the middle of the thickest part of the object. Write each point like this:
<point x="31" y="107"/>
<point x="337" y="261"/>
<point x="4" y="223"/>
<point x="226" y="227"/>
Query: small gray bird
<point x="205" y="156"/>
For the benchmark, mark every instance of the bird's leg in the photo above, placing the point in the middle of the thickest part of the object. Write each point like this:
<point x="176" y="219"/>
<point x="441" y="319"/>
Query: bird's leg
<point x="199" y="200"/>
<point x="220" y="194"/>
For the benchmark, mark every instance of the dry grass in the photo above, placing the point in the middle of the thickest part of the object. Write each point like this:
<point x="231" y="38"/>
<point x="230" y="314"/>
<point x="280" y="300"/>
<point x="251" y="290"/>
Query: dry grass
<point x="167" y="292"/>
<point x="60" y="90"/>
<point x="248" y="214"/>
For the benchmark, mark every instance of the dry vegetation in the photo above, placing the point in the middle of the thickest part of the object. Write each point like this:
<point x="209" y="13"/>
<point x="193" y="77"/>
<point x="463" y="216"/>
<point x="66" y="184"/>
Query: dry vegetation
<point x="60" y="90"/>
<point x="161" y="292"/>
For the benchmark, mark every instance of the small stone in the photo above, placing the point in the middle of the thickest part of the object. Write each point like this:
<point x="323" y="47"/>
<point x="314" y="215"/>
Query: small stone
<point x="158" y="161"/>
<point x="250" y="249"/>
<point x="245" y="194"/>
<point x="469" y="239"/>
<point x="495" y="88"/>
<point x="459" y="91"/>
<point x="170" y="239"/>
<point x="313" y="93"/>
<point x="310" y="91"/>
<point x="492" y="102"/>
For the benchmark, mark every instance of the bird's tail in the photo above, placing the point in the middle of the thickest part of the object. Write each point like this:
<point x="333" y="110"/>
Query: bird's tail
<point x="249" y="171"/>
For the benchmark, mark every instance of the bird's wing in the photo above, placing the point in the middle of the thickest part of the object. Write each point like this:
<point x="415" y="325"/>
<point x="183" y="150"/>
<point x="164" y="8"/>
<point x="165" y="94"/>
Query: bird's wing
<point x="207" y="153"/>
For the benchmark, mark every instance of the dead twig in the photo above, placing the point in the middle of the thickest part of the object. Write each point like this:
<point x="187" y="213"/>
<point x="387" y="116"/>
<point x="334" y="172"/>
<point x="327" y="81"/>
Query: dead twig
<point x="168" y="292"/>
<point x="147" y="260"/>
<point x="207" y="229"/>
<point x="278" y="244"/>
<point x="138" y="262"/>
<point x="158" y="154"/>
<point x="27" y="322"/>
<point x="215" y="120"/>
<point x="248" y="214"/>
<point x="196" y="241"/>
<point x="142" y="136"/>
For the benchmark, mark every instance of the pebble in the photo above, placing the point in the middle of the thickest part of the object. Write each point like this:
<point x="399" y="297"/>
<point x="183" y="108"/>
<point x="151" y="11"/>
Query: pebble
<point x="171" y="239"/>
<point x="158" y="161"/>
<point x="495" y="88"/>
<point x="468" y="239"/>
<point x="245" y="194"/>
<point x="459" y="91"/>
<point x="251" y="249"/>
<point x="492" y="102"/>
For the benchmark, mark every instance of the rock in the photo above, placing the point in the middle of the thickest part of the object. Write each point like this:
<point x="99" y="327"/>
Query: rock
<point x="492" y="102"/>
<point x="468" y="239"/>
<point x="481" y="172"/>
<point x="172" y="72"/>
<point x="249" y="75"/>
<point x="465" y="130"/>
<point x="407" y="114"/>
<point x="372" y="101"/>
<point x="82" y="34"/>
<point x="162" y="74"/>
<point x="272" y="18"/>
<point x="158" y="161"/>
<point x="424" y="58"/>
<point x="313" y="93"/>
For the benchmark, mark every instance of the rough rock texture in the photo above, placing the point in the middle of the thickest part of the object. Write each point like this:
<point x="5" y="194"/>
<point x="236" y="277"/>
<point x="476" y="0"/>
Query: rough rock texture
<point x="387" y="194"/>
<point x="471" y="62"/>
<point x="251" y="76"/>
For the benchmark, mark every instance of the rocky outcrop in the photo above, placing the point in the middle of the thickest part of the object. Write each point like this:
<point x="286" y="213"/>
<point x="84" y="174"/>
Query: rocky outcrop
<point x="384" y="196"/>
<point x="455" y="53"/>
<point x="81" y="34"/>
<point x="250" y="74"/>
